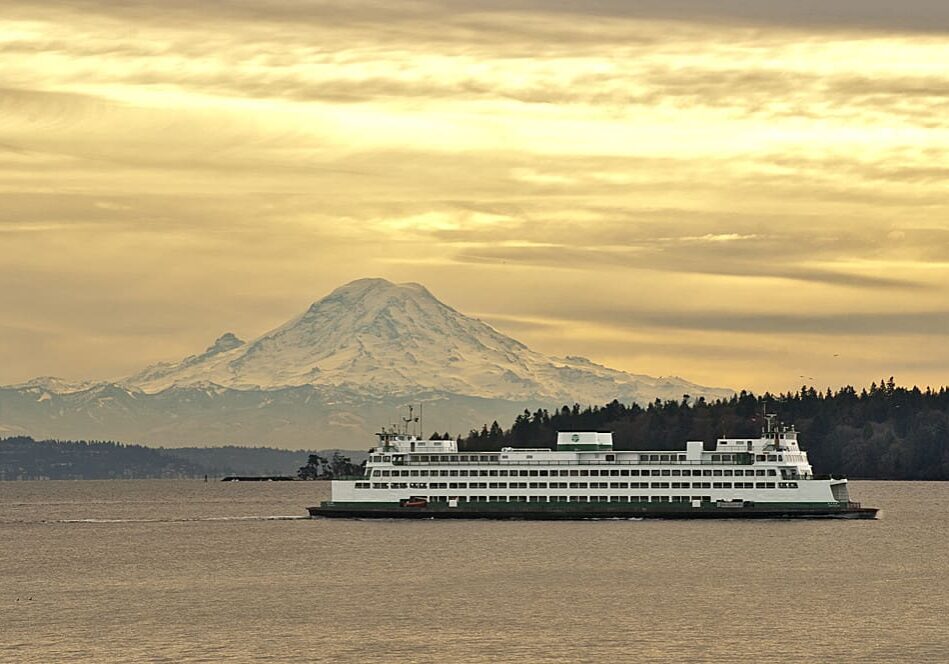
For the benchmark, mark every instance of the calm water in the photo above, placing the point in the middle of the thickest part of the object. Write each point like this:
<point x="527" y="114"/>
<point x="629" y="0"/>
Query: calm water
<point x="187" y="571"/>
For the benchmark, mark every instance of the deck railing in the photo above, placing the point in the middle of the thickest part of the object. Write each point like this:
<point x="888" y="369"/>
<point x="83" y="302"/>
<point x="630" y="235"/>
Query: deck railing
<point x="582" y="462"/>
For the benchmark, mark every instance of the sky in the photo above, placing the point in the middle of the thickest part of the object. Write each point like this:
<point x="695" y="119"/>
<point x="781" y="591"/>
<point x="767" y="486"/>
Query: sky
<point x="752" y="194"/>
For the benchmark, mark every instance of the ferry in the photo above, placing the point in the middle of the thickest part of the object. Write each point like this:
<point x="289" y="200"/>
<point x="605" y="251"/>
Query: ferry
<point x="584" y="477"/>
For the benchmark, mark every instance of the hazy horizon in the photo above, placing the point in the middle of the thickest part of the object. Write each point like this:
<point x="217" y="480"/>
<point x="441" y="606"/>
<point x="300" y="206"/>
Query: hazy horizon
<point x="751" y="195"/>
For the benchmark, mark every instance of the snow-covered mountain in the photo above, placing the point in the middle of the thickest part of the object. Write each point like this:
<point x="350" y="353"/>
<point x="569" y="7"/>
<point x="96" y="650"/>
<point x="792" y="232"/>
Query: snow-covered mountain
<point x="55" y="385"/>
<point x="340" y="368"/>
<point x="385" y="339"/>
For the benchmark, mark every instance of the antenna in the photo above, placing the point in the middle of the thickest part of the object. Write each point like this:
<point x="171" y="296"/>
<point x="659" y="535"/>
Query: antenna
<point x="421" y="426"/>
<point x="769" y="418"/>
<point x="409" y="419"/>
<point x="770" y="428"/>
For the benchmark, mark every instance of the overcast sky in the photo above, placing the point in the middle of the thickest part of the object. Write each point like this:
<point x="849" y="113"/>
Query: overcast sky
<point x="744" y="193"/>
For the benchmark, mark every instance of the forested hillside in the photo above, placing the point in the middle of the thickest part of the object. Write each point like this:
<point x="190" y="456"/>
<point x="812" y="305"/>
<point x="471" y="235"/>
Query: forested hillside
<point x="884" y="432"/>
<point x="235" y="460"/>
<point x="22" y="458"/>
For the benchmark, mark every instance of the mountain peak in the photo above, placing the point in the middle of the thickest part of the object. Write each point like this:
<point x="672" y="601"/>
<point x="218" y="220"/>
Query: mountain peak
<point x="225" y="342"/>
<point x="376" y="289"/>
<point x="54" y="384"/>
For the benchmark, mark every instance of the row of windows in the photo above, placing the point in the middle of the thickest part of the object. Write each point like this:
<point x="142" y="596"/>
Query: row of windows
<point x="439" y="458"/>
<point x="593" y="472"/>
<point x="487" y="457"/>
<point x="454" y="458"/>
<point x="571" y="499"/>
<point x="494" y="458"/>
<point x="577" y="485"/>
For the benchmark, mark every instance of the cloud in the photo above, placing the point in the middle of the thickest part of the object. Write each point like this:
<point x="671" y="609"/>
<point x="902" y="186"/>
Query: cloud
<point x="924" y="323"/>
<point x="214" y="164"/>
<point x="921" y="15"/>
<point x="564" y="257"/>
<point x="872" y="324"/>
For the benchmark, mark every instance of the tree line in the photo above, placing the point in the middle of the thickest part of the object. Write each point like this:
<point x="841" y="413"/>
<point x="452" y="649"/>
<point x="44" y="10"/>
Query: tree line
<point x="22" y="458"/>
<point x="881" y="432"/>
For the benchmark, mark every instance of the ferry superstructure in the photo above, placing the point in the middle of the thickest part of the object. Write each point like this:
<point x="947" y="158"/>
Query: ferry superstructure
<point x="585" y="478"/>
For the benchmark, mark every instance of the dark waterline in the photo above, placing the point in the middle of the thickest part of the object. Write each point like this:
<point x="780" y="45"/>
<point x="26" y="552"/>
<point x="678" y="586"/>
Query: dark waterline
<point x="128" y="571"/>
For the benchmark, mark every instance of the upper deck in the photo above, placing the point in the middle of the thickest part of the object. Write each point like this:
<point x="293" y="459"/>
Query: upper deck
<point x="775" y="447"/>
<point x="584" y="466"/>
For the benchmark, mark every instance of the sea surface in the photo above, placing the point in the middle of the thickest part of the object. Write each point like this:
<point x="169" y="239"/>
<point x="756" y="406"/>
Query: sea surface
<point x="187" y="571"/>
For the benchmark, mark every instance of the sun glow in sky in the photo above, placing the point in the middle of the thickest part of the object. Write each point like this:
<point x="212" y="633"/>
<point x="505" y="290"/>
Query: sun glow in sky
<point x="743" y="196"/>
